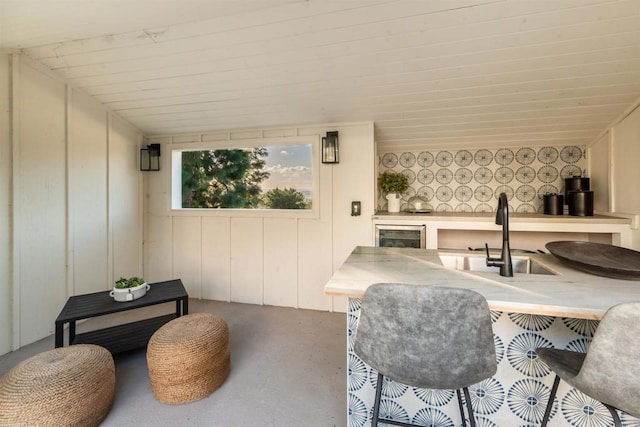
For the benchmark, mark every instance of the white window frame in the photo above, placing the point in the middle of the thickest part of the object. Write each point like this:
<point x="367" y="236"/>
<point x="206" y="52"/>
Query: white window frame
<point x="175" y="177"/>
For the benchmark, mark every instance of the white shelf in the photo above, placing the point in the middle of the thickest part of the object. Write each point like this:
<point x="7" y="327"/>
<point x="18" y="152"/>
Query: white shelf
<point x="619" y="228"/>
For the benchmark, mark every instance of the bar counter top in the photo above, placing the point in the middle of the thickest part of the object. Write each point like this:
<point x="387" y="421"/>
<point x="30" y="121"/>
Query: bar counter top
<point x="567" y="293"/>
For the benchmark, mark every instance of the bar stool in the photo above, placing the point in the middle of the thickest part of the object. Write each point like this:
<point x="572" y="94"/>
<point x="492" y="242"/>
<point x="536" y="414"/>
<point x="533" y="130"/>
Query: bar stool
<point x="426" y="337"/>
<point x="610" y="371"/>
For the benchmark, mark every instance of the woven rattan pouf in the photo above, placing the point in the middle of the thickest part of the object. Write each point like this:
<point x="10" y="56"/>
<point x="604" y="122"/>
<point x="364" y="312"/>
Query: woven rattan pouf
<point x="188" y="358"/>
<point x="67" y="386"/>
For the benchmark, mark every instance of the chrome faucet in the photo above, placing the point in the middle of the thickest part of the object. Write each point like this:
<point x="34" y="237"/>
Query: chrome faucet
<point x="502" y="218"/>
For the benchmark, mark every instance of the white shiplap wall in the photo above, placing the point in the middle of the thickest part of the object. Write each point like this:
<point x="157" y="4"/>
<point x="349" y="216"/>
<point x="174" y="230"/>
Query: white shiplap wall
<point x="87" y="190"/>
<point x="613" y="159"/>
<point x="255" y="259"/>
<point x="39" y="163"/>
<point x="625" y="173"/>
<point x="73" y="192"/>
<point x="6" y="313"/>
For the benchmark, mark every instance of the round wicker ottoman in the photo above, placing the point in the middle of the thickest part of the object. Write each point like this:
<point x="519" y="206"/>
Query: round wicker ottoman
<point x="188" y="358"/>
<point x="67" y="386"/>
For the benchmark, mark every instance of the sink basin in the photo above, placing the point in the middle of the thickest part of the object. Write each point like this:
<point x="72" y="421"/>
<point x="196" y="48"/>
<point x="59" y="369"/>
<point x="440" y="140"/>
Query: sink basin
<point x="523" y="265"/>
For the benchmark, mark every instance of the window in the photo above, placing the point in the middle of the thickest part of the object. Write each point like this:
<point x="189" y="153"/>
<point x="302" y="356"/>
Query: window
<point x="250" y="175"/>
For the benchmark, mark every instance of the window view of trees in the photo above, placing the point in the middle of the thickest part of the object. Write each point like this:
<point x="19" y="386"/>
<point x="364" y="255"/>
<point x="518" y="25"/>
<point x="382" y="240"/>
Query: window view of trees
<point x="243" y="178"/>
<point x="289" y="198"/>
<point x="222" y="178"/>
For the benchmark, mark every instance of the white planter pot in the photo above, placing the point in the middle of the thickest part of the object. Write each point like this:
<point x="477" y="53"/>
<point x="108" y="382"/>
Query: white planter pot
<point x="129" y="294"/>
<point x="394" y="202"/>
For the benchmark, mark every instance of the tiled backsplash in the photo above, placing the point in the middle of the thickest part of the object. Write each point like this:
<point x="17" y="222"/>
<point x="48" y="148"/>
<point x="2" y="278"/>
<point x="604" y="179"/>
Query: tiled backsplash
<point x="471" y="180"/>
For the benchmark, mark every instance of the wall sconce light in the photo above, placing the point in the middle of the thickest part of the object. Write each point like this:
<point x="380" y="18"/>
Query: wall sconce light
<point x="330" y="148"/>
<point x="150" y="158"/>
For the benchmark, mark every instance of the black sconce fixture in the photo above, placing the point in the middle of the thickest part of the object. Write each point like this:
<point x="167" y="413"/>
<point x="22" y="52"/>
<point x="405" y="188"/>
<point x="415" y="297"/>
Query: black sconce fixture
<point x="150" y="158"/>
<point x="330" y="148"/>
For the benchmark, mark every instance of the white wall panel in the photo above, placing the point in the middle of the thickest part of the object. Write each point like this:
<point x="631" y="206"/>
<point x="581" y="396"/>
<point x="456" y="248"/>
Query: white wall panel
<point x="357" y="169"/>
<point x="216" y="258"/>
<point x="157" y="239"/>
<point x="599" y="171"/>
<point x="63" y="170"/>
<point x="157" y="248"/>
<point x="315" y="243"/>
<point x="314" y="263"/>
<point x="124" y="199"/>
<point x="6" y="310"/>
<point x="352" y="179"/>
<point x="40" y="216"/>
<point x="247" y="260"/>
<point x="88" y="195"/>
<point x="625" y="156"/>
<point x="187" y="240"/>
<point x="281" y="262"/>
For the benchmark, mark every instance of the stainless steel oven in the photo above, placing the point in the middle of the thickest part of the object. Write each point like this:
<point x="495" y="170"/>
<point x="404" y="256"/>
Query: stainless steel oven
<point x="400" y="236"/>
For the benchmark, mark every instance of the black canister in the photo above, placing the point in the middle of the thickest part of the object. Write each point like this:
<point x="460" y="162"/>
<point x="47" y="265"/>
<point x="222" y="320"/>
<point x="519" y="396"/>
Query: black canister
<point x="553" y="204"/>
<point x="574" y="183"/>
<point x="581" y="203"/>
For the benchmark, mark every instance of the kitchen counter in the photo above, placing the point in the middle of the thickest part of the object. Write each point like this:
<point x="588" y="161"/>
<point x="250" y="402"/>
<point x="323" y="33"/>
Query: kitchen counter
<point x="568" y="293"/>
<point x="528" y="311"/>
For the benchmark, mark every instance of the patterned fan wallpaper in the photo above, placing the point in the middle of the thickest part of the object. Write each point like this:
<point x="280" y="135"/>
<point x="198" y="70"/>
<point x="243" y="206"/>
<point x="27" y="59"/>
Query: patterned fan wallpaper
<point x="471" y="180"/>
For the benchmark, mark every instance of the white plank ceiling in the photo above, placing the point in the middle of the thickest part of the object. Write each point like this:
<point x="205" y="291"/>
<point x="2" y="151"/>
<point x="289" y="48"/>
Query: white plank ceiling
<point x="427" y="72"/>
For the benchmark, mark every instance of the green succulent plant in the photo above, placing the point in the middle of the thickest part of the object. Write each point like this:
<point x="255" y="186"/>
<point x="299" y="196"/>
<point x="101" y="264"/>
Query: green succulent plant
<point x="132" y="282"/>
<point x="393" y="182"/>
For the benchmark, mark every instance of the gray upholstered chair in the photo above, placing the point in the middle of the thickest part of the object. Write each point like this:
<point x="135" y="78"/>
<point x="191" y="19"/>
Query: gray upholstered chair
<point x="610" y="371"/>
<point x="427" y="337"/>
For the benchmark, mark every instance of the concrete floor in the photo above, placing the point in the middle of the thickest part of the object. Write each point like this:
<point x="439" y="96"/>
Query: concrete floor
<point x="288" y="369"/>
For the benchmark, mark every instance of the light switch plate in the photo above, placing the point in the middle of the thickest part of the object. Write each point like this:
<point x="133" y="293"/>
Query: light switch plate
<point x="355" y="208"/>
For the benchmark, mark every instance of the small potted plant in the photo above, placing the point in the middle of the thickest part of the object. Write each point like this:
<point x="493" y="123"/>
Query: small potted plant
<point x="129" y="289"/>
<point x="393" y="184"/>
